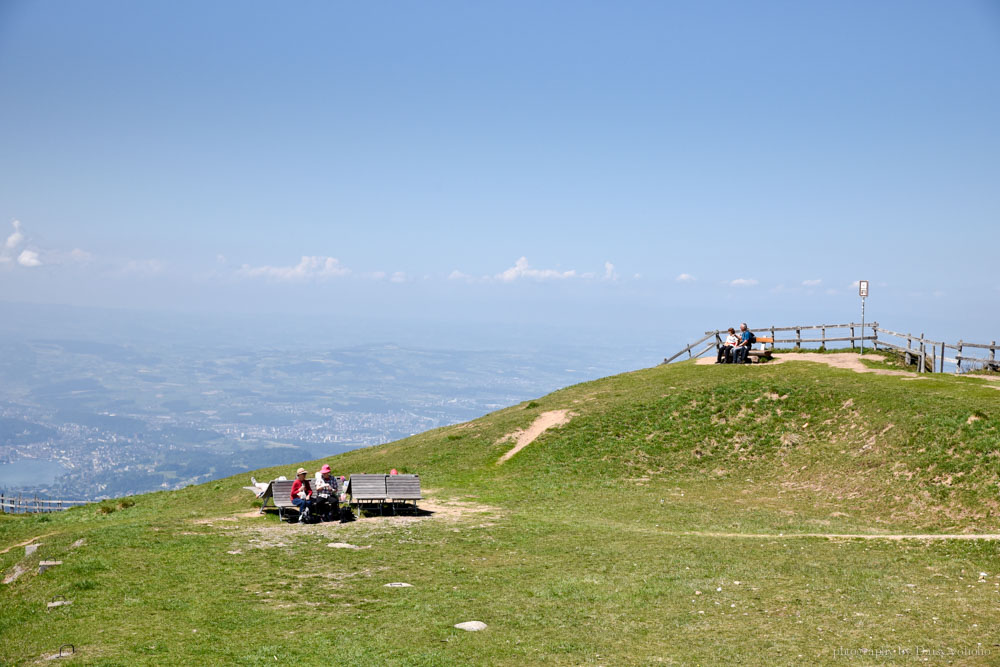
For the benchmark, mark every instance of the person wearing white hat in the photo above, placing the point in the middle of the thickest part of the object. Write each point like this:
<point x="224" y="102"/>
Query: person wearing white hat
<point x="302" y="495"/>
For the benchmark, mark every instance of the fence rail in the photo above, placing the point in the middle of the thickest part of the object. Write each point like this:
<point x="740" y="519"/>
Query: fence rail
<point x="928" y="355"/>
<point x="21" y="504"/>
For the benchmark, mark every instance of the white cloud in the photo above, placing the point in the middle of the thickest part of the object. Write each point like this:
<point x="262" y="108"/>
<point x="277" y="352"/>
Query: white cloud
<point x="609" y="271"/>
<point x="398" y="277"/>
<point x="812" y="283"/>
<point x="522" y="269"/>
<point x="29" y="258"/>
<point x="743" y="282"/>
<point x="309" y="268"/>
<point x="143" y="266"/>
<point x="458" y="275"/>
<point x="16" y="236"/>
<point x="685" y="278"/>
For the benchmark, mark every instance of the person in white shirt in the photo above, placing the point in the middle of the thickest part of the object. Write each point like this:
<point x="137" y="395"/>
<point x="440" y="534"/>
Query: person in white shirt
<point x="725" y="355"/>
<point x="327" y="498"/>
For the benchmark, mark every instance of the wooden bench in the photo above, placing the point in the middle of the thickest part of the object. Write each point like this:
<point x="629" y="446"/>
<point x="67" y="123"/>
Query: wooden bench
<point x="757" y="355"/>
<point x="280" y="491"/>
<point x="403" y="488"/>
<point x="367" y="489"/>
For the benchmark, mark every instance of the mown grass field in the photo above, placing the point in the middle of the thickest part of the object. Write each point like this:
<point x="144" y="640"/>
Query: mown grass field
<point x="677" y="519"/>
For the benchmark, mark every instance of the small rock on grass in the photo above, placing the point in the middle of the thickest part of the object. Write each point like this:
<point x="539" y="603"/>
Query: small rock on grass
<point x="345" y="545"/>
<point x="59" y="603"/>
<point x="46" y="564"/>
<point x="399" y="584"/>
<point x="471" y="626"/>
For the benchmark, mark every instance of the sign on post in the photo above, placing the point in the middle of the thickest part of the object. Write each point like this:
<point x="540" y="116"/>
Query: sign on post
<point x="862" y="292"/>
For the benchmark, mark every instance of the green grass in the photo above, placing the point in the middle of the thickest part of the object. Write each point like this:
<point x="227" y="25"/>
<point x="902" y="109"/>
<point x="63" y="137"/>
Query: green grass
<point x="587" y="547"/>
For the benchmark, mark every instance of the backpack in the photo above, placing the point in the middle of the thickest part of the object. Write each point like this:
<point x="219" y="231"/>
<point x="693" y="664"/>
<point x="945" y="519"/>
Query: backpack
<point x="752" y="339"/>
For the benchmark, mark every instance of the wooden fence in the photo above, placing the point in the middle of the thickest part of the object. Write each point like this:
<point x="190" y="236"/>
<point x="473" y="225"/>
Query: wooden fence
<point x="855" y="337"/>
<point x="928" y="355"/>
<point x="20" y="504"/>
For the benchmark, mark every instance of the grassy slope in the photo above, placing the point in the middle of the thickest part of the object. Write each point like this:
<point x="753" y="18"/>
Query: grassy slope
<point x="579" y="556"/>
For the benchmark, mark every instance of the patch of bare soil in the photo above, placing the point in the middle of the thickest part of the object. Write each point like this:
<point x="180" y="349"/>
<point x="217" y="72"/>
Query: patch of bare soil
<point x="266" y="534"/>
<point x="843" y="536"/>
<point x="845" y="360"/>
<point x="25" y="543"/>
<point x="524" y="437"/>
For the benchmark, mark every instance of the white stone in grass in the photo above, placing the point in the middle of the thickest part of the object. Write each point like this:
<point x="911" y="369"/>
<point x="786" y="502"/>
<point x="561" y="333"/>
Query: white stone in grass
<point x="30" y="549"/>
<point x="46" y="564"/>
<point x="399" y="584"/>
<point x="471" y="626"/>
<point x="59" y="603"/>
<point x="345" y="545"/>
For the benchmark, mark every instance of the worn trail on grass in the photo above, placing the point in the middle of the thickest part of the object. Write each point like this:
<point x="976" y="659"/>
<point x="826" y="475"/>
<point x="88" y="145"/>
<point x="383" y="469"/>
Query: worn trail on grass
<point x="846" y="360"/>
<point x="25" y="543"/>
<point x="544" y="422"/>
<point x="840" y="536"/>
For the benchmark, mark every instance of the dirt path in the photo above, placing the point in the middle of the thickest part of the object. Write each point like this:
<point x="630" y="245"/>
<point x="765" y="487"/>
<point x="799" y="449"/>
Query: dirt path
<point x="25" y="543"/>
<point x="841" y="536"/>
<point x="544" y="422"/>
<point x="846" y="360"/>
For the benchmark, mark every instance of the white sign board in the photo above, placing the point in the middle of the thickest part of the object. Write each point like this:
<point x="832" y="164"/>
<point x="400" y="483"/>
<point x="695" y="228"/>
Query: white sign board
<point x="863" y="288"/>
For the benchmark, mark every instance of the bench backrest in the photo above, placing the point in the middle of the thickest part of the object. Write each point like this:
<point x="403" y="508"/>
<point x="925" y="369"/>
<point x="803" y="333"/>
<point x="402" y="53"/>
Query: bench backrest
<point x="764" y="339"/>
<point x="281" y="491"/>
<point x="367" y="487"/>
<point x="403" y="487"/>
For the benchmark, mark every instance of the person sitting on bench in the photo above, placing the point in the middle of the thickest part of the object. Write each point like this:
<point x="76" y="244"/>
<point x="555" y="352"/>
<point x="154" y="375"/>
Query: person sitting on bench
<point x="725" y="355"/>
<point x="302" y="495"/>
<point x="327" y="500"/>
<point x="743" y="346"/>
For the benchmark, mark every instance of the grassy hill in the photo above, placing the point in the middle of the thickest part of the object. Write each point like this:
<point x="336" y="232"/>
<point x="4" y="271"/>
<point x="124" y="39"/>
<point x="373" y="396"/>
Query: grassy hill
<point x="678" y="518"/>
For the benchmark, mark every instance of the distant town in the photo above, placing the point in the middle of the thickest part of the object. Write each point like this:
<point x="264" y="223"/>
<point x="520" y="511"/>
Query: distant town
<point x="87" y="420"/>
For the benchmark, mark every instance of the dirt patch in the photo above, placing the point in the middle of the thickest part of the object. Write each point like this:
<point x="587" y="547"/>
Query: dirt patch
<point x="542" y="423"/>
<point x="14" y="574"/>
<point x="25" y="543"/>
<point x="845" y="360"/>
<point x="843" y="536"/>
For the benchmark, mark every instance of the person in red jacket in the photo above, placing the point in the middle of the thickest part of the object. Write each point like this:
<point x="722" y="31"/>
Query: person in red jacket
<point x="302" y="494"/>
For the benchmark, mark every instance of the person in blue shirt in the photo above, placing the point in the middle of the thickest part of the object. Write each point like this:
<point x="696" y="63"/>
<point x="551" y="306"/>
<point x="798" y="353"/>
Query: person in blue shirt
<point x="743" y="346"/>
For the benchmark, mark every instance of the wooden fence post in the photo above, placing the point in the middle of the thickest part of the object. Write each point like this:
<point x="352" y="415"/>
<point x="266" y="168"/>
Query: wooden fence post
<point x="942" y="356"/>
<point x="798" y="339"/>
<point x="772" y="336"/>
<point x="923" y="353"/>
<point x="993" y="354"/>
<point x="852" y="337"/>
<point x="823" y="336"/>
<point x="958" y="357"/>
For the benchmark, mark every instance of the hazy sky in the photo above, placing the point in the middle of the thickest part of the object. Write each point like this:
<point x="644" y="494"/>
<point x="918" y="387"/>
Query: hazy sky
<point x="622" y="168"/>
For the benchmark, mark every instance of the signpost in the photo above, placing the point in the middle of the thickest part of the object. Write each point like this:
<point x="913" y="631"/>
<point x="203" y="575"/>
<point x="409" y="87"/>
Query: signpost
<point x="863" y="293"/>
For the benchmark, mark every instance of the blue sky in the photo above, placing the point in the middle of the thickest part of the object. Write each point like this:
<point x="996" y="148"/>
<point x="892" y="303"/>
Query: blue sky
<point x="619" y="170"/>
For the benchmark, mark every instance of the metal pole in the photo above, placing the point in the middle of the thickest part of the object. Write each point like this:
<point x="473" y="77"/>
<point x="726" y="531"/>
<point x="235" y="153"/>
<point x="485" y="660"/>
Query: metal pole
<point x="862" y="325"/>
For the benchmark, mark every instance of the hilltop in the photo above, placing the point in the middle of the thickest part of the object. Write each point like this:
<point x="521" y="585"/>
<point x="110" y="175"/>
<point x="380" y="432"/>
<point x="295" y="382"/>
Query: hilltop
<point x="681" y="514"/>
